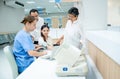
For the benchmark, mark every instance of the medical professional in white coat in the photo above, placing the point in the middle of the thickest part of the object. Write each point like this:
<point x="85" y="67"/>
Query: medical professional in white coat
<point x="40" y="22"/>
<point x="73" y="31"/>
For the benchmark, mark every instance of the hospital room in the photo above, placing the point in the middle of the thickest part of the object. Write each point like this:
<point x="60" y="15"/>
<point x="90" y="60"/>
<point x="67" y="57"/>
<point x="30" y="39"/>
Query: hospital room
<point x="59" y="39"/>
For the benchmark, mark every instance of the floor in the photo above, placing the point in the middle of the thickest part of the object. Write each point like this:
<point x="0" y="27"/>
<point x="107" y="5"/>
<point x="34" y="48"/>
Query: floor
<point x="5" y="72"/>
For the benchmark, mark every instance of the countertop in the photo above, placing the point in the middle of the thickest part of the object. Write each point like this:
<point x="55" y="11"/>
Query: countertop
<point x="107" y="41"/>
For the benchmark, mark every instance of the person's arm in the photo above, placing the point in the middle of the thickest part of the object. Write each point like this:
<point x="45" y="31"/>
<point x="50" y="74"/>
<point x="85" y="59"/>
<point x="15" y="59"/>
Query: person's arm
<point x="37" y="47"/>
<point x="35" y="53"/>
<point x="60" y="39"/>
<point x="49" y="47"/>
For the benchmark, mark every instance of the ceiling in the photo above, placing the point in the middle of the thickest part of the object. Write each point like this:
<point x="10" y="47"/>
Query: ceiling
<point x="49" y="6"/>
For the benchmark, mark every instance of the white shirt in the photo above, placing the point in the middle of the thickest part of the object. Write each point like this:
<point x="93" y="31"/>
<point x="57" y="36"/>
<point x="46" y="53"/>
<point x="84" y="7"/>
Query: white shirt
<point x="36" y="33"/>
<point x="42" y="42"/>
<point x="73" y="33"/>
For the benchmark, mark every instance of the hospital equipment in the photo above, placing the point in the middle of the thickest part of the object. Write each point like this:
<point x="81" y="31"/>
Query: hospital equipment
<point x="71" y="61"/>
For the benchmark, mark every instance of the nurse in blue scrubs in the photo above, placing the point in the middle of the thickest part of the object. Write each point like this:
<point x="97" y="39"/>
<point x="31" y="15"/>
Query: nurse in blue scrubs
<point x="24" y="50"/>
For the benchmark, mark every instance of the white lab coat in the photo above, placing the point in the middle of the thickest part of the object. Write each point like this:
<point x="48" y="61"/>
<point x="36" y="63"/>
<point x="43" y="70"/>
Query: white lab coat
<point x="36" y="33"/>
<point x="73" y="34"/>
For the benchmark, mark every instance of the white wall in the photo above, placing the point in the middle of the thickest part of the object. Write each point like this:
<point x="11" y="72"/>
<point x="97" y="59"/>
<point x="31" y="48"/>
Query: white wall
<point x="10" y="18"/>
<point x="114" y="13"/>
<point x="95" y="14"/>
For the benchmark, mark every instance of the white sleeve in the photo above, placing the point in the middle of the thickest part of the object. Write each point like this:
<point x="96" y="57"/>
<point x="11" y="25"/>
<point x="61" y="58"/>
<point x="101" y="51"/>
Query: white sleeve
<point x="39" y="23"/>
<point x="41" y="42"/>
<point x="83" y="39"/>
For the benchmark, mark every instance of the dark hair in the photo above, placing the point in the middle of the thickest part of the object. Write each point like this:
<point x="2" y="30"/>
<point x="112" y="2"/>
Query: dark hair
<point x="74" y="11"/>
<point x="28" y="18"/>
<point x="44" y="26"/>
<point x="33" y="10"/>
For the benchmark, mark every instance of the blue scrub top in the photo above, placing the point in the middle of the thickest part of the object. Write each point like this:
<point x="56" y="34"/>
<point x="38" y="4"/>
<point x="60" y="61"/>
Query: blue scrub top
<point x="22" y="44"/>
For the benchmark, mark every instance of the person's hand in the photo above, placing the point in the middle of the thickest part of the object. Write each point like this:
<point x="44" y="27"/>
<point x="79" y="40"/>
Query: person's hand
<point x="49" y="47"/>
<point x="37" y="47"/>
<point x="44" y="53"/>
<point x="60" y="40"/>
